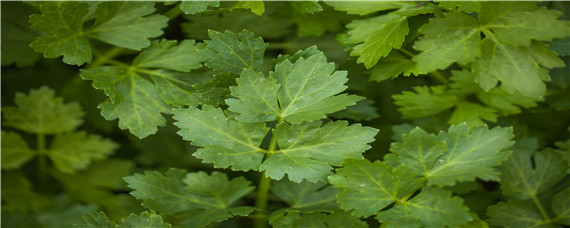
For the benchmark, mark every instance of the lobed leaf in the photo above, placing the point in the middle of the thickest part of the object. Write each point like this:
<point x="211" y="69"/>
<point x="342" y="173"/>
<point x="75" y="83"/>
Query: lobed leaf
<point x="194" y="7"/>
<point x="337" y="218"/>
<point x="306" y="7"/>
<point x="15" y="151"/>
<point x="73" y="151"/>
<point x="425" y="101"/>
<point x="306" y="195"/>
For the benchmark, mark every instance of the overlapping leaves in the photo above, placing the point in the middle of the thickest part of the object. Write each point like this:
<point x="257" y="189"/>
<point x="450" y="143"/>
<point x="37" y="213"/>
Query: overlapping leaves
<point x="124" y="24"/>
<point x="144" y="219"/>
<point x="206" y="198"/>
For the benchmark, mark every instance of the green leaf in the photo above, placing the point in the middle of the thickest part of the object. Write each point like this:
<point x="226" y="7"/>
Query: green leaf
<point x="17" y="35"/>
<point x="306" y="7"/>
<point x="472" y="113"/>
<point x="514" y="213"/>
<point x="40" y="112"/>
<point x="527" y="173"/>
<point x="442" y="39"/>
<point x="193" y="7"/>
<point x="63" y="21"/>
<point x="362" y="110"/>
<point x="369" y="187"/>
<point x="15" y="151"/>
<point x="465" y="6"/>
<point x="366" y="7"/>
<point x="123" y="24"/>
<point x="179" y="191"/>
<point x="543" y="55"/>
<point x="226" y="142"/>
<point x="168" y="54"/>
<point x="306" y="195"/>
<point x="73" y="151"/>
<point x="226" y="52"/>
<point x="18" y="194"/>
<point x="391" y="66"/>
<point x="257" y="97"/>
<point x="470" y="153"/>
<point x="433" y="207"/>
<point x="337" y="218"/>
<point x="309" y="87"/>
<point x="132" y="99"/>
<point x="375" y="37"/>
<point x="425" y="101"/>
<point x="216" y="91"/>
<point x="96" y="219"/>
<point x="204" y="217"/>
<point x="561" y="206"/>
<point x="516" y="70"/>
<point x="507" y="104"/>
<point x="144" y="219"/>
<point x="127" y="24"/>
<point x="319" y="23"/>
<point x="257" y="7"/>
<point x="308" y="150"/>
<point x="519" y="28"/>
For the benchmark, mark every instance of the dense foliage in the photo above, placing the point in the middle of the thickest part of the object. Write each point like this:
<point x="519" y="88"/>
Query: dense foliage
<point x="285" y="114"/>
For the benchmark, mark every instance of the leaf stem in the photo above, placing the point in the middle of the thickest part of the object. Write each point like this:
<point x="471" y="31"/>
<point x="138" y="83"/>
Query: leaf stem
<point x="406" y="52"/>
<point x="264" y="186"/>
<point x="42" y="159"/>
<point x="174" y="12"/>
<point x="107" y="57"/>
<point x="439" y="76"/>
<point x="540" y="208"/>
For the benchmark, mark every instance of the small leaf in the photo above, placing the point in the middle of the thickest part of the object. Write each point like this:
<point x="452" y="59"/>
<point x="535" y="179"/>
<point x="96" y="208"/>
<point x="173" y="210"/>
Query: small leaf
<point x="40" y="112"/>
<point x="97" y="219"/>
<point x="168" y="54"/>
<point x="425" y="101"/>
<point x="257" y="7"/>
<point x="15" y="151"/>
<point x="257" y="97"/>
<point x="73" y="151"/>
<point x="144" y="219"/>
<point x="193" y="7"/>
<point x="226" y="52"/>
<point x="472" y="113"/>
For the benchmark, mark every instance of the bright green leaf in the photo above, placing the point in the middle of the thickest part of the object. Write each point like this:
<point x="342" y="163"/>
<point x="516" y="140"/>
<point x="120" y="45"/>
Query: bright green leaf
<point x="465" y="6"/>
<point x="40" y="112"/>
<point x="433" y="207"/>
<point x="454" y="38"/>
<point x="306" y="7"/>
<point x="308" y="150"/>
<point x="144" y="219"/>
<point x="226" y="52"/>
<point x="15" y="151"/>
<point x="179" y="191"/>
<point x="72" y="151"/>
<point x="375" y="37"/>
<point x="127" y="24"/>
<point x="391" y="66"/>
<point x="472" y="113"/>
<point x="543" y="55"/>
<point x="193" y="7"/>
<point x="257" y="7"/>
<point x="425" y="101"/>
<point x="369" y="187"/>
<point x="257" y="97"/>
<point x="362" y="110"/>
<point x="514" y="213"/>
<point x="97" y="219"/>
<point x="226" y="142"/>
<point x="527" y="173"/>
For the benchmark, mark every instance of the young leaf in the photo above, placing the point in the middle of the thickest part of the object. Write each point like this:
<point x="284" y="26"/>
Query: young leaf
<point x="369" y="187"/>
<point x="433" y="207"/>
<point x="226" y="142"/>
<point x="72" y="151"/>
<point x="257" y="7"/>
<point x="306" y="7"/>
<point x="375" y="37"/>
<point x="308" y="150"/>
<point x="337" y="218"/>
<point x="96" y="219"/>
<point x="392" y="66"/>
<point x="41" y="112"/>
<point x="472" y="113"/>
<point x="15" y="151"/>
<point x="306" y="195"/>
<point x="193" y="7"/>
<point x="522" y="179"/>
<point x="179" y="191"/>
<point x="168" y="54"/>
<point x="228" y="53"/>
<point x="257" y="97"/>
<point x="426" y="101"/>
<point x="443" y="37"/>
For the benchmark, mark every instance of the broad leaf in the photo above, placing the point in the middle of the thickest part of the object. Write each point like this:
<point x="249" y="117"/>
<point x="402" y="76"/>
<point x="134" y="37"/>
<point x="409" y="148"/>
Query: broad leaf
<point x="96" y="219"/>
<point x="528" y="173"/>
<point x="369" y="187"/>
<point x="73" y="151"/>
<point x="168" y="54"/>
<point x="226" y="142"/>
<point x="391" y="66"/>
<point x="40" y="112"/>
<point x="455" y="38"/>
<point x="144" y="219"/>
<point x="432" y="207"/>
<point x="308" y="150"/>
<point x="179" y="191"/>
<point x="375" y="37"/>
<point x="215" y="92"/>
<point x="472" y="113"/>
<point x="226" y="52"/>
<point x="15" y="151"/>
<point x="257" y="97"/>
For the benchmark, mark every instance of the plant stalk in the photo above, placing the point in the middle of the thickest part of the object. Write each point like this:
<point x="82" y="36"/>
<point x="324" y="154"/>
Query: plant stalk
<point x="174" y="12"/>
<point x="110" y="55"/>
